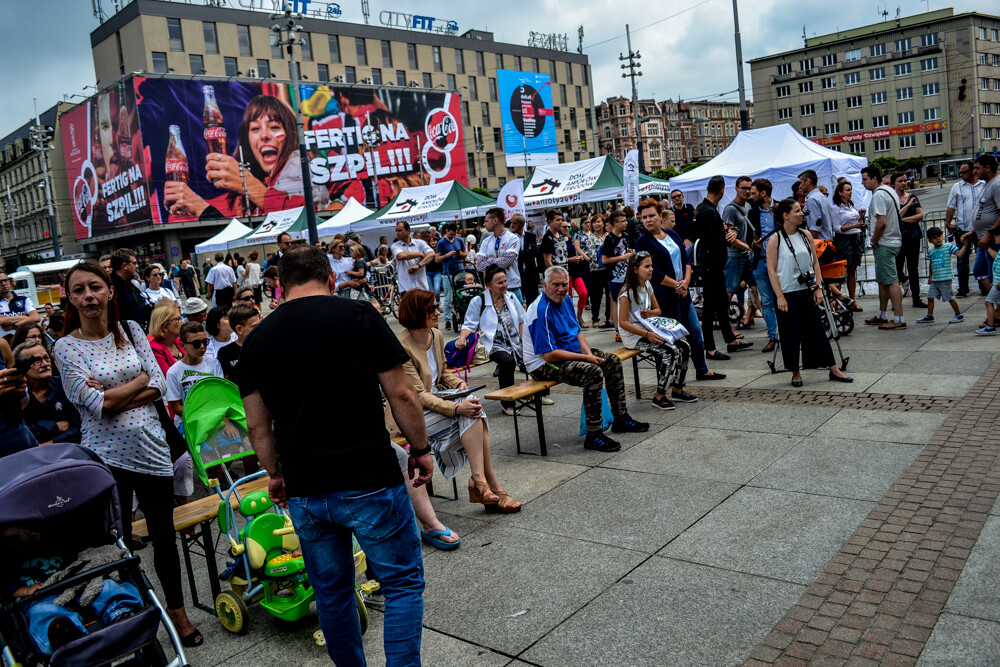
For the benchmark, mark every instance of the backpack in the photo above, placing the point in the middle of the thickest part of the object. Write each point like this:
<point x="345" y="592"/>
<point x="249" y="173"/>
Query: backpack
<point x="456" y="358"/>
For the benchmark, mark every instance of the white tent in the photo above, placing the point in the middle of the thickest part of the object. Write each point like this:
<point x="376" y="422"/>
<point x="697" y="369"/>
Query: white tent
<point x="341" y="222"/>
<point x="778" y="154"/>
<point x="234" y="230"/>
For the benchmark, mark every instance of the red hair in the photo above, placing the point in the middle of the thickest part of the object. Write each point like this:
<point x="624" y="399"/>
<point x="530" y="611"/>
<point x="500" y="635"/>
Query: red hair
<point x="413" y="308"/>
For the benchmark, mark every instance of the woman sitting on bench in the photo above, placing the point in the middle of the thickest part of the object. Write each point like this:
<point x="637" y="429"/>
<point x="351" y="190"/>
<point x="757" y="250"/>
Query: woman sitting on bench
<point x="456" y="429"/>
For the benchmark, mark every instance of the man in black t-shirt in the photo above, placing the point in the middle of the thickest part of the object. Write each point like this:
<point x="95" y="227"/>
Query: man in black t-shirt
<point x="683" y="217"/>
<point x="189" y="280"/>
<point x="345" y="480"/>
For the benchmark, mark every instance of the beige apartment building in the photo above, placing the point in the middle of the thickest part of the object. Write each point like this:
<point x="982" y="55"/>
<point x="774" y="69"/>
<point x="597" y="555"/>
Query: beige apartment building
<point x="918" y="86"/>
<point x="153" y="36"/>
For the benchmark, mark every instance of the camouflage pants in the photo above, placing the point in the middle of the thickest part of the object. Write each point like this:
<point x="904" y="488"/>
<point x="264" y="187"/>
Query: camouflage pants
<point x="592" y="377"/>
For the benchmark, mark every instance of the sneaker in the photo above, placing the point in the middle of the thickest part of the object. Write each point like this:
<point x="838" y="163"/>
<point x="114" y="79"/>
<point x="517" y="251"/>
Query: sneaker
<point x="618" y="338"/>
<point x="600" y="442"/>
<point x="925" y="319"/>
<point x="890" y="326"/>
<point x="510" y="412"/>
<point x="959" y="317"/>
<point x="986" y="331"/>
<point x="547" y="401"/>
<point x="608" y="324"/>
<point x="875" y="319"/>
<point x="625" y="424"/>
<point x="663" y="403"/>
<point x="684" y="397"/>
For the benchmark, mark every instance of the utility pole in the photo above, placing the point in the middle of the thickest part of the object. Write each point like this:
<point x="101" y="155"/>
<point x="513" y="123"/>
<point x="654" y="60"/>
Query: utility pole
<point x="244" y="168"/>
<point x="41" y="141"/>
<point x="420" y="160"/>
<point x="478" y="135"/>
<point x="293" y="29"/>
<point x="11" y="208"/>
<point x="370" y="136"/>
<point x="633" y="67"/>
<point x="744" y="117"/>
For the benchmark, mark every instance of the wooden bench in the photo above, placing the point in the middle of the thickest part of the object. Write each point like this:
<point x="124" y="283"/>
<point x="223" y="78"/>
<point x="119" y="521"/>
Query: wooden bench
<point x="636" y="356"/>
<point x="401" y="441"/>
<point x="201" y="513"/>
<point x="528" y="395"/>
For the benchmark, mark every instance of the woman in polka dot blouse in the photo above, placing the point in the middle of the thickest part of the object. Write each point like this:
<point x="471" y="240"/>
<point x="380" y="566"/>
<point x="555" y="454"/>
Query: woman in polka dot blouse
<point x="113" y="384"/>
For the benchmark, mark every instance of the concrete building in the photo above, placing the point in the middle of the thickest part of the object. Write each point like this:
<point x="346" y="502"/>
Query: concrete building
<point x="919" y="86"/>
<point x="617" y="135"/>
<point x="22" y="196"/>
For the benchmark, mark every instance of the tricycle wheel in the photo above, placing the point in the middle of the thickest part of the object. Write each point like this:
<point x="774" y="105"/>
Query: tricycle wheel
<point x="232" y="612"/>
<point x="362" y="611"/>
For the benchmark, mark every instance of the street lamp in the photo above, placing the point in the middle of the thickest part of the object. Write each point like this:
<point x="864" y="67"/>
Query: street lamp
<point x="287" y="23"/>
<point x="41" y="140"/>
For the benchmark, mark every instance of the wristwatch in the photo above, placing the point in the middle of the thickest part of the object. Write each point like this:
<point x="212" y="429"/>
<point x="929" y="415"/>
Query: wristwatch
<point x="417" y="453"/>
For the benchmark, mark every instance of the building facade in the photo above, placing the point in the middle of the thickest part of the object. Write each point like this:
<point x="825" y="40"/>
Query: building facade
<point x="920" y="86"/>
<point x="617" y="135"/>
<point x="716" y="124"/>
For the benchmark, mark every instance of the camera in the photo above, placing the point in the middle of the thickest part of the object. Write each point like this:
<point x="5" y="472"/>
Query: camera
<point x="23" y="364"/>
<point x="809" y="280"/>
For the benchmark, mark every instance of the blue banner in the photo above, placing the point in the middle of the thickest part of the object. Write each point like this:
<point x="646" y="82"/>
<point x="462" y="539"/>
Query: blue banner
<point x="529" y="129"/>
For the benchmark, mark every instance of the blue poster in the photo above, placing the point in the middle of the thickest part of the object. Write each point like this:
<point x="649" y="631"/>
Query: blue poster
<point x="529" y="129"/>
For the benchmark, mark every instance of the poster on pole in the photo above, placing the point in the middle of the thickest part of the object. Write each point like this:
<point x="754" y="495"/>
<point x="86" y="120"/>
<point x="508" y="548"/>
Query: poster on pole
<point x="630" y="179"/>
<point x="529" y="129"/>
<point x="511" y="198"/>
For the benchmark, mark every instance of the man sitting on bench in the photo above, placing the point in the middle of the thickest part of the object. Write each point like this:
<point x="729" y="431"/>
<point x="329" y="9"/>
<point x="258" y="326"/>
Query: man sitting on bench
<point x="555" y="349"/>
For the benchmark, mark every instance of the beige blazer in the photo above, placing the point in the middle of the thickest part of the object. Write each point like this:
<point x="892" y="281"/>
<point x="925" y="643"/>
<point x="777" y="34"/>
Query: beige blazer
<point x="418" y="372"/>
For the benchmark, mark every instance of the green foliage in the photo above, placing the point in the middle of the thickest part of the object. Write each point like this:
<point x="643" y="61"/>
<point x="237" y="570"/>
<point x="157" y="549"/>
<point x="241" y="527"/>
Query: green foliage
<point x="691" y="166"/>
<point x="914" y="163"/>
<point x="887" y="164"/>
<point x="665" y="174"/>
<point x="482" y="191"/>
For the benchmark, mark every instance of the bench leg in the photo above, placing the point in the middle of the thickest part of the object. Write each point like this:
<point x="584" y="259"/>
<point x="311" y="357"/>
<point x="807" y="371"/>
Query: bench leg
<point x="635" y="377"/>
<point x="541" y="425"/>
<point x="210" y="563"/>
<point x="517" y="433"/>
<point x="186" y="551"/>
<point x="454" y="487"/>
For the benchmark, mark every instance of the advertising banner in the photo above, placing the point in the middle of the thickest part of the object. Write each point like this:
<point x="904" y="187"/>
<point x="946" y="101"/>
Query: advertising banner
<point x="630" y="179"/>
<point x="880" y="134"/>
<point x="529" y="129"/>
<point x="106" y="164"/>
<point x="511" y="198"/>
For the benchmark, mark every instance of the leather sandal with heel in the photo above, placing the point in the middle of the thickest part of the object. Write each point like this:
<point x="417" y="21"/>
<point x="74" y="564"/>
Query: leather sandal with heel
<point x="507" y="505"/>
<point x="479" y="492"/>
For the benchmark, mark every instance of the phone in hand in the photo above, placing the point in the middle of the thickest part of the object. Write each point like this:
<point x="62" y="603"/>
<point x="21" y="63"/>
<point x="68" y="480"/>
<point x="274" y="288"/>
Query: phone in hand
<point x="23" y="364"/>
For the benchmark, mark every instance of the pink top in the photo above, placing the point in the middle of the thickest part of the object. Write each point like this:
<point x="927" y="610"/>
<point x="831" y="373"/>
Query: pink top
<point x="162" y="353"/>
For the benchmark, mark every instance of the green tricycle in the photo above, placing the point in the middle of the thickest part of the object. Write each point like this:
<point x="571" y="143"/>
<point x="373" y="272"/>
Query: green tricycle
<point x="268" y="567"/>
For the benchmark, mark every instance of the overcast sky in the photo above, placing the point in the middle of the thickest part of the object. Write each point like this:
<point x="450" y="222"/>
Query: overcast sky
<point x="687" y="46"/>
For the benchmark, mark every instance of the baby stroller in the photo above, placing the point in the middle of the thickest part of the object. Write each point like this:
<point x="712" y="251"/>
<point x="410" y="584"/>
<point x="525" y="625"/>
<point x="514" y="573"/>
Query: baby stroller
<point x="66" y="490"/>
<point x="462" y="294"/>
<point x="268" y="569"/>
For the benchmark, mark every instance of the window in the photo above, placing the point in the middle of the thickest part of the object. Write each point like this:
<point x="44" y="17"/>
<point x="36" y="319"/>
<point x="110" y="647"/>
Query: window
<point x="903" y="45"/>
<point x="986" y="109"/>
<point x="982" y="33"/>
<point x="579" y="96"/>
<point x="197" y="64"/>
<point x="831" y="128"/>
<point x="909" y="141"/>
<point x="427" y="80"/>
<point x="854" y="102"/>
<point x="323" y="72"/>
<point x="928" y="65"/>
<point x="880" y="121"/>
<point x="211" y="39"/>
<point x="350" y="74"/>
<point x="334" y="49"/>
<point x="785" y="114"/>
<point x="470" y="159"/>
<point x="499" y="63"/>
<point x="903" y="69"/>
<point x="160" y="62"/>
<point x="307" y="49"/>
<point x="877" y="50"/>
<point x="829" y="59"/>
<point x="904" y="94"/>
<point x="386" y="53"/>
<point x="996" y="59"/>
<point x="243" y="38"/>
<point x="480" y="64"/>
<point x="783" y="91"/>
<point x="878" y="98"/>
<point x="473" y="88"/>
<point x="808" y="132"/>
<point x="855" y="125"/>
<point x="984" y="84"/>
<point x="376" y="76"/>
<point x="484" y="109"/>
<point x="784" y="69"/>
<point x="401" y="79"/>
<point x="264" y="69"/>
<point x="858" y="147"/>
<point x="361" y="50"/>
<point x="231" y="69"/>
<point x="436" y="58"/>
<point x="490" y="167"/>
<point x="994" y="35"/>
<point x="829" y="82"/>
<point x="411" y="54"/>
<point x="933" y="138"/>
<point x="459" y="61"/>
<point x="452" y="83"/>
<point x="494" y="96"/>
<point x="904" y="118"/>
<point x="933" y="113"/>
<point x="996" y="108"/>
<point x="562" y="94"/>
<point x="623" y="130"/>
<point x="931" y="89"/>
<point x="852" y="55"/>
<point x="517" y="64"/>
<point x="852" y="79"/>
<point x="175" y="35"/>
<point x="572" y="118"/>
<point x="806" y="87"/>
<point x="881" y="145"/>
<point x="987" y="133"/>
<point x="569" y="72"/>
<point x="465" y="113"/>
<point x="984" y="59"/>
<point x="876" y="74"/>
<point x="830" y="105"/>
<point x="805" y="65"/>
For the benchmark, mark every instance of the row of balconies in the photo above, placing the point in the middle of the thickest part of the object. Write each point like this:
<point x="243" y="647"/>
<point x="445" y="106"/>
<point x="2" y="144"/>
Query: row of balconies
<point x="863" y="62"/>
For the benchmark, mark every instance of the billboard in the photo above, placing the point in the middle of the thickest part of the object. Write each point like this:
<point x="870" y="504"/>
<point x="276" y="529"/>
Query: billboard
<point x="106" y="164"/>
<point x="879" y="134"/>
<point x="529" y="129"/>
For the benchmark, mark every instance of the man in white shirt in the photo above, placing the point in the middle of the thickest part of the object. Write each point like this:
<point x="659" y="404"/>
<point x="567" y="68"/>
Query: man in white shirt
<point x="500" y="246"/>
<point x="221" y="283"/>
<point x="963" y="203"/>
<point x="14" y="309"/>
<point x="411" y="256"/>
<point x="883" y="219"/>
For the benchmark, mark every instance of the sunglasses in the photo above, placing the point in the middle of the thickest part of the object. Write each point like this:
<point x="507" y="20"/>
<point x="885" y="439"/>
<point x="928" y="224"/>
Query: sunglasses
<point x="197" y="343"/>
<point x="176" y="319"/>
<point x="246" y="298"/>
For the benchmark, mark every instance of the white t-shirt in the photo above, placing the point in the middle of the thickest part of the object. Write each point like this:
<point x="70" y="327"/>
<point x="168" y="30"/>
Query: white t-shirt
<point x="214" y="346"/>
<point x="629" y="339"/>
<point x="339" y="266"/>
<point x="6" y="312"/>
<point x="154" y="295"/>
<point x="407" y="280"/>
<point x="181" y="377"/>
<point x="885" y="202"/>
<point x="432" y="365"/>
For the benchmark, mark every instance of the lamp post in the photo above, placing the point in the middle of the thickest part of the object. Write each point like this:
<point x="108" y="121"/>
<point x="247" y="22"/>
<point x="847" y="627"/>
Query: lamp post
<point x="41" y="140"/>
<point x="287" y="23"/>
<point x="744" y="117"/>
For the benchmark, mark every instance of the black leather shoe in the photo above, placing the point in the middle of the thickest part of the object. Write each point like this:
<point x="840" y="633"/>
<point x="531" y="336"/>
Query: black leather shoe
<point x="837" y="378"/>
<point x="771" y="344"/>
<point x="717" y="356"/>
<point x="796" y="383"/>
<point x="917" y="303"/>
<point x="714" y="376"/>
<point x="737" y="346"/>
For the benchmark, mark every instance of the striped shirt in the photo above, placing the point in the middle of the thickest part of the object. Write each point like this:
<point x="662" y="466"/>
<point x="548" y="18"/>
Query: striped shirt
<point x="940" y="261"/>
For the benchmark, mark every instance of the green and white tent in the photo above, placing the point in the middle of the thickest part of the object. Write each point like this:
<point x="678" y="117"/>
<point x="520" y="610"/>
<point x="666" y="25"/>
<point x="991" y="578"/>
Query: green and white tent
<point x="292" y="220"/>
<point x="425" y="204"/>
<point x="596" y="179"/>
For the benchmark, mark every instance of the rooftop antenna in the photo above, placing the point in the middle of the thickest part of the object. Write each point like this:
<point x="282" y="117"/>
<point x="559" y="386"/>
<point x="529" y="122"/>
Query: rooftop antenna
<point x="898" y="10"/>
<point x="98" y="10"/>
<point x="883" y="12"/>
<point x="365" y="10"/>
<point x="805" y="42"/>
<point x="579" y="33"/>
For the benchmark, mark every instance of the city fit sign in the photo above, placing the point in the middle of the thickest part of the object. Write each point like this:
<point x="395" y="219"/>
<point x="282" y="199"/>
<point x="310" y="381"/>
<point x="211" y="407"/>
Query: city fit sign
<point x="417" y="22"/>
<point x="881" y="134"/>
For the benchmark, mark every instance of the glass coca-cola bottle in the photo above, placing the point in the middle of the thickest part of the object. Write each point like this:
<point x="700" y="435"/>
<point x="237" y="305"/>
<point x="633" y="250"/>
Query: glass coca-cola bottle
<point x="124" y="133"/>
<point x="176" y="159"/>
<point x="215" y="129"/>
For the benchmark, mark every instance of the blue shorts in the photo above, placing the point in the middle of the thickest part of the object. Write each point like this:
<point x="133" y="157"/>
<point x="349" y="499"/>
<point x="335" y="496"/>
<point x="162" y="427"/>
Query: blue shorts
<point x="983" y="268"/>
<point x="615" y="288"/>
<point x="737" y="270"/>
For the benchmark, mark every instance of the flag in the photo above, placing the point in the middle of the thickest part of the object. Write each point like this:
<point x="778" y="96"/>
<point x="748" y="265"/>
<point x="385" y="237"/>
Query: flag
<point x="511" y="198"/>
<point x="631" y="179"/>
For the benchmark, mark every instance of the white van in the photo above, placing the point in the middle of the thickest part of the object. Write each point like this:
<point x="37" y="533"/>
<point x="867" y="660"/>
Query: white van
<point x="40" y="282"/>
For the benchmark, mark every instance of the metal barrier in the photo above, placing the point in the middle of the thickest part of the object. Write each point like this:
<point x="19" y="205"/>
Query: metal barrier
<point x="866" y="270"/>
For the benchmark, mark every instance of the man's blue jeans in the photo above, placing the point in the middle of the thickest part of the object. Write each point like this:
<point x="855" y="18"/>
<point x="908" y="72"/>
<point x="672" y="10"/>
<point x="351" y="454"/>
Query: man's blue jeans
<point x="385" y="526"/>
<point x="766" y="294"/>
<point x="691" y="322"/>
<point x="434" y="282"/>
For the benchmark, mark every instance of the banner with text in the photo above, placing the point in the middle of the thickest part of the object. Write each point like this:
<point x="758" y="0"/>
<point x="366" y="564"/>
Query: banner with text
<point x="529" y="129"/>
<point x="902" y="130"/>
<point x="106" y="164"/>
<point x="630" y="179"/>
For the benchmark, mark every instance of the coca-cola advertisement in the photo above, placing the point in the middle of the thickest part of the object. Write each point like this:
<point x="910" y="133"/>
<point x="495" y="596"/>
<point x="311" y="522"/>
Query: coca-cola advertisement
<point x="106" y="163"/>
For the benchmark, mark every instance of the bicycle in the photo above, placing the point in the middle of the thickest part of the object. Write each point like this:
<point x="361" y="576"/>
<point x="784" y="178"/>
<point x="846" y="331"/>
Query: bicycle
<point x="385" y="288"/>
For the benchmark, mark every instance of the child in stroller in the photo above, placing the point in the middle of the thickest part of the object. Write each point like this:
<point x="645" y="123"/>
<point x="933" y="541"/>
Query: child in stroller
<point x="465" y="285"/>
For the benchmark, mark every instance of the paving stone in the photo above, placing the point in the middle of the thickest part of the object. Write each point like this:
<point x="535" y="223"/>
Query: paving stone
<point x="972" y="596"/>
<point x="816" y="380"/>
<point x="882" y="426"/>
<point x="780" y="419"/>
<point x="959" y="641"/>
<point x="946" y="362"/>
<point x="924" y="384"/>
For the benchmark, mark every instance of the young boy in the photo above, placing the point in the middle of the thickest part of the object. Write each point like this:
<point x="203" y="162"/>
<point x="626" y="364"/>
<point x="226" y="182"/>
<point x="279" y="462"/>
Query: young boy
<point x="941" y="274"/>
<point x="242" y="319"/>
<point x="616" y="252"/>
<point x="192" y="367"/>
<point x="992" y="299"/>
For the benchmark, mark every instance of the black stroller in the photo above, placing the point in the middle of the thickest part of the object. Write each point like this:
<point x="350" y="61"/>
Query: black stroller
<point x="462" y="293"/>
<point x="66" y="490"/>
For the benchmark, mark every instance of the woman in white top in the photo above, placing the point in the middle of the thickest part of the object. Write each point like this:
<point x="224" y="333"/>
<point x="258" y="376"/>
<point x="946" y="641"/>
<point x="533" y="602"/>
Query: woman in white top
<point x="636" y="302"/>
<point x="220" y="334"/>
<point x="499" y="318"/>
<point x="113" y="382"/>
<point x="156" y="289"/>
<point x="340" y="264"/>
<point x="848" y="224"/>
<point x="791" y="258"/>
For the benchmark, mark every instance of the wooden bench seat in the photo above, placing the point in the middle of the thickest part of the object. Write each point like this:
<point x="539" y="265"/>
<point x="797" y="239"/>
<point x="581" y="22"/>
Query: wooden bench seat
<point x="197" y="511"/>
<point x="401" y="441"/>
<point x="521" y="390"/>
<point x="527" y="395"/>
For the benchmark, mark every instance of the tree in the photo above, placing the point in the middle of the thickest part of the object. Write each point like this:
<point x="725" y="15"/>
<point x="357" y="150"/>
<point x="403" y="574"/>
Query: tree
<point x="914" y="163"/>
<point x="482" y="191"/>
<point x="887" y="164"/>
<point x="664" y="174"/>
<point x="691" y="166"/>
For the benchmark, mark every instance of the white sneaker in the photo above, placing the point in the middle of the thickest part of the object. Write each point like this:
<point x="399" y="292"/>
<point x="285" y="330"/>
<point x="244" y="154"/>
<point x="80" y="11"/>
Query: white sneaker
<point x="510" y="412"/>
<point x="547" y="401"/>
<point x="958" y="318"/>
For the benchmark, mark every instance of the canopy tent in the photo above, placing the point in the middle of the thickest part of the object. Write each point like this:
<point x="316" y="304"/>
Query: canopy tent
<point x="341" y="221"/>
<point x="425" y="204"/>
<point x="292" y="220"/>
<point x="596" y="179"/>
<point x="779" y="154"/>
<point x="234" y="230"/>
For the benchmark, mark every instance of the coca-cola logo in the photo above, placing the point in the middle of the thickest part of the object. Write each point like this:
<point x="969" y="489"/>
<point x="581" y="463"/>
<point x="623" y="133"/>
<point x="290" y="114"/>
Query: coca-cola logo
<point x="125" y="150"/>
<point x="215" y="132"/>
<point x="174" y="165"/>
<point x="442" y="130"/>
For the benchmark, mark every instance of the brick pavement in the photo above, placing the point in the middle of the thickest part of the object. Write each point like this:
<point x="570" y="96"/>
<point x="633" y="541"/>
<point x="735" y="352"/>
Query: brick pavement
<point x="880" y="597"/>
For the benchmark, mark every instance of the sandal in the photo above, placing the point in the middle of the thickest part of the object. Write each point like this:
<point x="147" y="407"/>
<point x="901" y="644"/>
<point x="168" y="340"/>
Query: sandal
<point x="433" y="538"/>
<point x="192" y="639"/>
<point x="583" y="325"/>
<point x="739" y="336"/>
<point x="507" y="505"/>
<point x="479" y="492"/>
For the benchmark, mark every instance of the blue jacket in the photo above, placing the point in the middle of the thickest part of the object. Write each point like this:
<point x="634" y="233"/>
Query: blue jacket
<point x="663" y="266"/>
